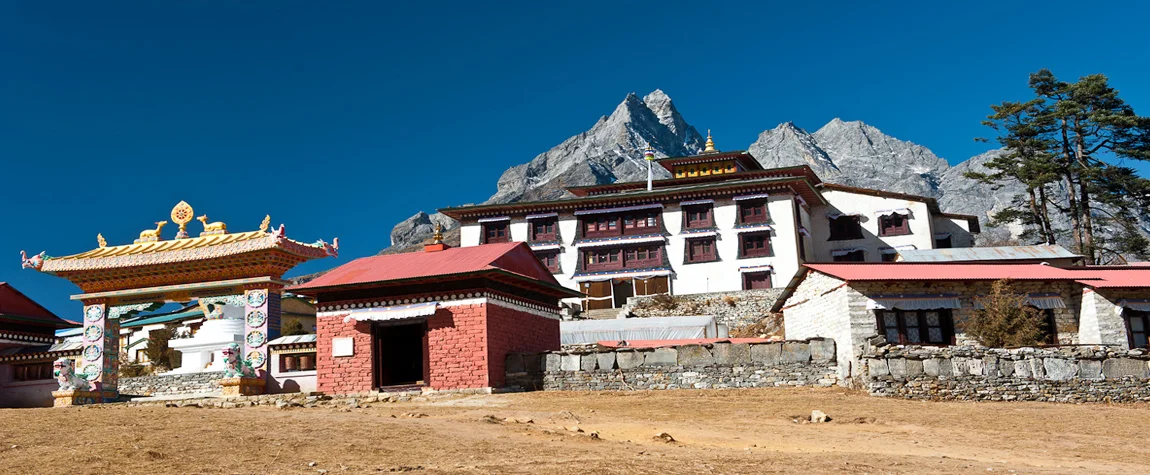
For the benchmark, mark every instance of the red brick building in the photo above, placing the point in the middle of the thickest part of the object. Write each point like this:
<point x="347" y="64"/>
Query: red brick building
<point x="442" y="319"/>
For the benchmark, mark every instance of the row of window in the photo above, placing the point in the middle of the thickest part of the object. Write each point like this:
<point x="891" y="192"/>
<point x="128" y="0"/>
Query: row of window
<point x="637" y="257"/>
<point x="936" y="327"/>
<point x="845" y="228"/>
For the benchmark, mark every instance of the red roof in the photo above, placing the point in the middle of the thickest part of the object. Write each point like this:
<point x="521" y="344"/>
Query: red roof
<point x="514" y="257"/>
<point x="1111" y="277"/>
<point x="21" y="309"/>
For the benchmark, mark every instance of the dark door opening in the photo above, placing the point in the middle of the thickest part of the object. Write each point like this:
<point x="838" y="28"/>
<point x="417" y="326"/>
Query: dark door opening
<point x="623" y="288"/>
<point x="399" y="354"/>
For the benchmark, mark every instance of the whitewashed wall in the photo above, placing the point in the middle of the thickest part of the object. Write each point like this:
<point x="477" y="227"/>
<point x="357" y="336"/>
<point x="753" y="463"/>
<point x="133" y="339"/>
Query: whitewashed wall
<point x="921" y="224"/>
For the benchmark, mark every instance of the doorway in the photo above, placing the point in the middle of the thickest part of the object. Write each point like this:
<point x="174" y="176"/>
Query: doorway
<point x="622" y="288"/>
<point x="399" y="354"/>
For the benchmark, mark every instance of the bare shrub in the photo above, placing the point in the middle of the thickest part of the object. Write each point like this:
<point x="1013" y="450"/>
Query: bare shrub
<point x="771" y="325"/>
<point x="730" y="300"/>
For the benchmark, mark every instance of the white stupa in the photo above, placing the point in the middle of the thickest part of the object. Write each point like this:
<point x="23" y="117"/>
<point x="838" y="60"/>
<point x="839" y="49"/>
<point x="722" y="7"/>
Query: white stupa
<point x="201" y="353"/>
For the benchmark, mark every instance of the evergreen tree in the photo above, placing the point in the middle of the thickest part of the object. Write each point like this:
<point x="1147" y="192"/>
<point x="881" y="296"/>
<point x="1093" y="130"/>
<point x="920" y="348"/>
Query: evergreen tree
<point x="1057" y="141"/>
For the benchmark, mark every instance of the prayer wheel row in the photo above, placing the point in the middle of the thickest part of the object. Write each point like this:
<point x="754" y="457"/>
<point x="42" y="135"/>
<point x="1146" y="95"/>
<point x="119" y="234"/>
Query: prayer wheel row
<point x="303" y="362"/>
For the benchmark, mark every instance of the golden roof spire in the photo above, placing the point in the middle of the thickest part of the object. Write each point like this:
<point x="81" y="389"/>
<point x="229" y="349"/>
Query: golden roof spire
<point x="438" y="237"/>
<point x="710" y="143"/>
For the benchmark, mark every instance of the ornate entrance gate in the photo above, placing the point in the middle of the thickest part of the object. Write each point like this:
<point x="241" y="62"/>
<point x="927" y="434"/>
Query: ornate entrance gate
<point x="216" y="268"/>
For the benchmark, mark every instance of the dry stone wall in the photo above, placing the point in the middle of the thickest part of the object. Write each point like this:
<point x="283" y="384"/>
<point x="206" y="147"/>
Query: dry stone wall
<point x="734" y="309"/>
<point x="1067" y="374"/>
<point x="716" y="365"/>
<point x="167" y="385"/>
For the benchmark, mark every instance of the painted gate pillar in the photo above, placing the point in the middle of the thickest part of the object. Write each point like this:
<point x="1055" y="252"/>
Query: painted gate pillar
<point x="261" y="323"/>
<point x="101" y="352"/>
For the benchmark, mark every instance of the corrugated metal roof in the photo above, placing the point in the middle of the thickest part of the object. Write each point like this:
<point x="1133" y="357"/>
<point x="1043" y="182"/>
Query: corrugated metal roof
<point x="1130" y="277"/>
<point x="514" y="257"/>
<point x="1004" y="253"/>
<point x="288" y="340"/>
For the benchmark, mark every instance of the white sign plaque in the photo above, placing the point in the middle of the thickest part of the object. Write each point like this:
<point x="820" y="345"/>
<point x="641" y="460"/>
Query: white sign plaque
<point x="342" y="346"/>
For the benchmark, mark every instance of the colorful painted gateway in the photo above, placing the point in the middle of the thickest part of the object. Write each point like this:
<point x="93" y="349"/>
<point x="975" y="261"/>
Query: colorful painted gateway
<point x="443" y="319"/>
<point x="217" y="268"/>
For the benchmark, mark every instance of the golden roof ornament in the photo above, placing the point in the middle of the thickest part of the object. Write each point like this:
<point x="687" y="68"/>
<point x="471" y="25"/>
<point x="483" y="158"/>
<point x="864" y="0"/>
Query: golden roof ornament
<point x="100" y="239"/>
<point x="710" y="144"/>
<point x="210" y="229"/>
<point x="438" y="237"/>
<point x="151" y="235"/>
<point x="267" y="222"/>
<point x="182" y="214"/>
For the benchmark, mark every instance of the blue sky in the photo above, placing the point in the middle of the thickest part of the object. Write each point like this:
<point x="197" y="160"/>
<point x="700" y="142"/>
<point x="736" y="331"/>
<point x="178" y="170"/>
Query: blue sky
<point x="342" y="118"/>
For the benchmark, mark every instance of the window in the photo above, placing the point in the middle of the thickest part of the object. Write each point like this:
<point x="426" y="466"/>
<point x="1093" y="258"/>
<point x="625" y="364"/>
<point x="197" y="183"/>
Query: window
<point x="845" y="227"/>
<point x="754" y="245"/>
<point x="894" y="225"/>
<point x="851" y="256"/>
<point x="495" y="232"/>
<point x="641" y="257"/>
<point x="549" y="259"/>
<point x="601" y="226"/>
<point x="890" y="256"/>
<point x="604" y="258"/>
<point x="32" y="371"/>
<point x="943" y="242"/>
<point x="701" y="250"/>
<point x="916" y="327"/>
<point x="142" y="356"/>
<point x="697" y="216"/>
<point x="1137" y="327"/>
<point x="756" y="280"/>
<point x="642" y="222"/>
<point x="753" y="211"/>
<point x="544" y="229"/>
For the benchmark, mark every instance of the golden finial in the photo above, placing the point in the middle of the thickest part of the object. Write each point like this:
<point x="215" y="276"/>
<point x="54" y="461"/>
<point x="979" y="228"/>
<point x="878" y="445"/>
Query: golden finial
<point x="438" y="237"/>
<point x="267" y="222"/>
<point x="182" y="214"/>
<point x="710" y="143"/>
<point x="100" y="239"/>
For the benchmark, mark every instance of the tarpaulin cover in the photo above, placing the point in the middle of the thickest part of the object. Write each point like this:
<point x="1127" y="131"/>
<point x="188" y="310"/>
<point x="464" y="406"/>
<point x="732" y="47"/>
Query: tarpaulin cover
<point x="913" y="302"/>
<point x="584" y="332"/>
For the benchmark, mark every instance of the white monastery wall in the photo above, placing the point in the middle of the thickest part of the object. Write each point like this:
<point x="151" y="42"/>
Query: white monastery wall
<point x="921" y="224"/>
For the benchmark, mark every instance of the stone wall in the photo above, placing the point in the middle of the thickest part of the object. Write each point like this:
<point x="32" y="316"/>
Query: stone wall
<point x="716" y="365"/>
<point x="1067" y="374"/>
<point x="734" y="309"/>
<point x="157" y="385"/>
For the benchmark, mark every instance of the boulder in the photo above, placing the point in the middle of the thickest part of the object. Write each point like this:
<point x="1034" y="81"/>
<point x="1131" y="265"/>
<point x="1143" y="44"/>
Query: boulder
<point x="606" y="360"/>
<point x="822" y="350"/>
<point x="629" y="359"/>
<point x="767" y="353"/>
<point x="913" y="368"/>
<point x="1090" y="369"/>
<point x="897" y="367"/>
<point x="1058" y="369"/>
<point x="570" y="363"/>
<point x="588" y="362"/>
<point x="552" y="362"/>
<point x="734" y="354"/>
<point x="1117" y="368"/>
<point x="877" y="367"/>
<point x="794" y="352"/>
<point x="662" y="357"/>
<point x="694" y="355"/>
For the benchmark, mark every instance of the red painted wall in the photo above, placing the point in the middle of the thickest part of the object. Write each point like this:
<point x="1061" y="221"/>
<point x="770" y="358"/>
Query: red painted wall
<point x="347" y="374"/>
<point x="514" y="331"/>
<point x="466" y="348"/>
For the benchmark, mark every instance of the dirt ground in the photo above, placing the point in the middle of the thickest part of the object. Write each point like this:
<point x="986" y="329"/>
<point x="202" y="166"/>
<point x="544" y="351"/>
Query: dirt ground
<point x="728" y="431"/>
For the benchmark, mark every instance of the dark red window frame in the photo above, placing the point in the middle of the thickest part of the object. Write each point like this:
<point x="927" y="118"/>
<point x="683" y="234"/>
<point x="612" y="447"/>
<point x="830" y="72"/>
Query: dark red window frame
<point x="895" y="224"/>
<point x="756" y="280"/>
<point x="755" y="245"/>
<point x="550" y="259"/>
<point x="913" y="327"/>
<point x="497" y="231"/>
<point x="753" y="211"/>
<point x="845" y="228"/>
<point x="701" y="250"/>
<point x="544" y="229"/>
<point x="698" y="216"/>
<point x="606" y="225"/>
<point x="632" y="257"/>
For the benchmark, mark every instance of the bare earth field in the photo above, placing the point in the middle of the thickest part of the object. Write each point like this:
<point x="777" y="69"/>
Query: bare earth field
<point x="728" y="431"/>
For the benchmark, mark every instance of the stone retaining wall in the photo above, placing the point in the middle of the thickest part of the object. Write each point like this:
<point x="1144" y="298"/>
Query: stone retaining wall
<point x="735" y="309"/>
<point x="1066" y="374"/>
<point x="716" y="365"/>
<point x="156" y="385"/>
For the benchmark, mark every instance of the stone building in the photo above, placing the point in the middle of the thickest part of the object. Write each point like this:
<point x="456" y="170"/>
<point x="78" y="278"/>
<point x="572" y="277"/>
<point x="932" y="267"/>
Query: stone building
<point x="721" y="224"/>
<point x="442" y="319"/>
<point x="926" y="303"/>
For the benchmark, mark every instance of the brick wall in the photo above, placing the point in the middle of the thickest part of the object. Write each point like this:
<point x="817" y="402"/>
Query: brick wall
<point x="456" y="347"/>
<point x="515" y="331"/>
<point x="345" y="374"/>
